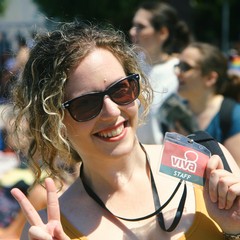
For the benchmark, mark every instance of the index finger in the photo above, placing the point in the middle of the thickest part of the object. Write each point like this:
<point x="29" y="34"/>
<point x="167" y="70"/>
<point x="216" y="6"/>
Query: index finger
<point x="29" y="211"/>
<point x="52" y="200"/>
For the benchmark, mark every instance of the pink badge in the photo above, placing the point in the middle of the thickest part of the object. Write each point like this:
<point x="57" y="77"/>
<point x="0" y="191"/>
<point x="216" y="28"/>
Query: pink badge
<point x="185" y="160"/>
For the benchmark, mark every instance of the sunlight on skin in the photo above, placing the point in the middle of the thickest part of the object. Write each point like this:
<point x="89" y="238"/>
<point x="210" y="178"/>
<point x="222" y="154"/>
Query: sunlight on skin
<point x="39" y="230"/>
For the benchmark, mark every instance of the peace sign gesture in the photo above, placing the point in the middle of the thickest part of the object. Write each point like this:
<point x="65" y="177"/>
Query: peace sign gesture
<point x="52" y="230"/>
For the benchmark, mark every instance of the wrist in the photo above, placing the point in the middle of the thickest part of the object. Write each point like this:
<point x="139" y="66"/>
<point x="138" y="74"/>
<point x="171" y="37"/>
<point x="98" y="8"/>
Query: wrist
<point x="229" y="236"/>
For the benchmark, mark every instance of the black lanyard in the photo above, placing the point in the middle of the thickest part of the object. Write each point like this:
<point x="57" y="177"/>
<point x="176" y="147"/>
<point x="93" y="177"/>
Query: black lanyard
<point x="158" y="207"/>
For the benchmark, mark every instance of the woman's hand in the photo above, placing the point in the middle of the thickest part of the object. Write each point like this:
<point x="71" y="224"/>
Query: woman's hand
<point x="52" y="230"/>
<point x="222" y="196"/>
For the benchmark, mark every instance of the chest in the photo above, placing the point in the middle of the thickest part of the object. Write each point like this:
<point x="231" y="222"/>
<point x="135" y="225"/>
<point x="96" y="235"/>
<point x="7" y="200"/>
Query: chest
<point x="118" y="230"/>
<point x="96" y="223"/>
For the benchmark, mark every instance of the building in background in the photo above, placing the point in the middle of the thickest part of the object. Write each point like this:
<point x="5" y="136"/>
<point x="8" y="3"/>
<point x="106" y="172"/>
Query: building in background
<point x="21" y="17"/>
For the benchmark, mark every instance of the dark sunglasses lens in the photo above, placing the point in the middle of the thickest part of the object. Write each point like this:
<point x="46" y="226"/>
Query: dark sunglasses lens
<point x="126" y="91"/>
<point x="86" y="107"/>
<point x="89" y="106"/>
<point x="184" y="67"/>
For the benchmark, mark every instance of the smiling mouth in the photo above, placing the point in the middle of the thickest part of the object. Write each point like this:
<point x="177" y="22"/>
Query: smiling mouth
<point x="111" y="133"/>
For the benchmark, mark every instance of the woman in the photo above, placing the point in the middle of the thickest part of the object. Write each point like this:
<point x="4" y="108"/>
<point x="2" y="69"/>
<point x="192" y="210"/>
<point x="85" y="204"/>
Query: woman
<point x="80" y="94"/>
<point x="160" y="35"/>
<point x="232" y="87"/>
<point x="202" y="74"/>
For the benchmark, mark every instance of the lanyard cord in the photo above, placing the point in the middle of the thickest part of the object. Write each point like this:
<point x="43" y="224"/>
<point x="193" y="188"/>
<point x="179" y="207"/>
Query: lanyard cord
<point x="157" y="204"/>
<point x="178" y="214"/>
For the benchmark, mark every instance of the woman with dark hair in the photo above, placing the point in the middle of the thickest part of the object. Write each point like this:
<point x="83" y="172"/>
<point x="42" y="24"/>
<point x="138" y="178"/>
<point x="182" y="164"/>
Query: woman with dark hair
<point x="160" y="35"/>
<point x="202" y="74"/>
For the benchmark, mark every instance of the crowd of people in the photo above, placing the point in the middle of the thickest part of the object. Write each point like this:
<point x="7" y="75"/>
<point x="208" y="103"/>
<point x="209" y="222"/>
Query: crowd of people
<point x="90" y="131"/>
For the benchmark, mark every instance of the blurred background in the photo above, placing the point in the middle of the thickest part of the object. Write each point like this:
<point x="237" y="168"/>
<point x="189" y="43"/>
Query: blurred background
<point x="215" y="21"/>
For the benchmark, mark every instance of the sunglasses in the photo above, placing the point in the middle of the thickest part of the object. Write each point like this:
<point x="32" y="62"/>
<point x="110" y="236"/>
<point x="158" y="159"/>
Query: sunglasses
<point x="183" y="67"/>
<point x="86" y="107"/>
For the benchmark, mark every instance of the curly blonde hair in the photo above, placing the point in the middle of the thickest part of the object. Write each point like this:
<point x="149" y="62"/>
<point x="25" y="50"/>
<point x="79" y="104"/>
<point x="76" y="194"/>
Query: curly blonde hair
<point x="39" y="92"/>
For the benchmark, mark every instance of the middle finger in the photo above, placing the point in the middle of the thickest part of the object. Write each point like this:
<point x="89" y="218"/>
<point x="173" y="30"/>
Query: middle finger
<point x="52" y="200"/>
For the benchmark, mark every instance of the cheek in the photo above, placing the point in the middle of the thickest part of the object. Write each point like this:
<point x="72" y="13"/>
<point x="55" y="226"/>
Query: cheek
<point x="132" y="112"/>
<point x="195" y="81"/>
<point x="74" y="128"/>
<point x="146" y="36"/>
<point x="189" y="79"/>
<point x="187" y="84"/>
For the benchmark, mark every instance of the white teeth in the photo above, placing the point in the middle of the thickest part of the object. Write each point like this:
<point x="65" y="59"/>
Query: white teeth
<point x="112" y="133"/>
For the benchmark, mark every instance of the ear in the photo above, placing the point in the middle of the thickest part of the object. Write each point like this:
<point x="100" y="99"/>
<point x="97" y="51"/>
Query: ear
<point x="211" y="79"/>
<point x="163" y="34"/>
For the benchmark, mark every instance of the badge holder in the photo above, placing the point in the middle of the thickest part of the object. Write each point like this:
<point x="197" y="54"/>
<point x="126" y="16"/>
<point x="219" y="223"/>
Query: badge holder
<point x="184" y="159"/>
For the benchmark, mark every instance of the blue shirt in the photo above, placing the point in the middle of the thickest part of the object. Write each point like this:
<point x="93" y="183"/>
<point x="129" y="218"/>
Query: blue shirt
<point x="214" y="127"/>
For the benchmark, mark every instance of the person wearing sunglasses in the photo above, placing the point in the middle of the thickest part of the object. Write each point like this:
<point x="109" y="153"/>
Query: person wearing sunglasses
<point x="80" y="93"/>
<point x="159" y="35"/>
<point x="202" y="73"/>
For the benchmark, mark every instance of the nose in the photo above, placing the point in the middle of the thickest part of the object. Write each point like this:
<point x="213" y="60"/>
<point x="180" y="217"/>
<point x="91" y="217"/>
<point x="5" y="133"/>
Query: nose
<point x="133" y="33"/>
<point x="177" y="71"/>
<point x="110" y="109"/>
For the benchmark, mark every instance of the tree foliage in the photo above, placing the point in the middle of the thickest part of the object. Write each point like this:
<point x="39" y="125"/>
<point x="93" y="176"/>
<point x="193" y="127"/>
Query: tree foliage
<point x="2" y="6"/>
<point x="119" y="13"/>
<point x="206" y="15"/>
<point x="208" y="19"/>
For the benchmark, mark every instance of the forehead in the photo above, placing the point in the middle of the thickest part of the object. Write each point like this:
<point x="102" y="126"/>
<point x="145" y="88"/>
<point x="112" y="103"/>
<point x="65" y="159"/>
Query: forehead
<point x="191" y="55"/>
<point x="94" y="73"/>
<point x="142" y="16"/>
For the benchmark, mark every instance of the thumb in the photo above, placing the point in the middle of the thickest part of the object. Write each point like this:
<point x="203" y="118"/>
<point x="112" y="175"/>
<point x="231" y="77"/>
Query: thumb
<point x="36" y="232"/>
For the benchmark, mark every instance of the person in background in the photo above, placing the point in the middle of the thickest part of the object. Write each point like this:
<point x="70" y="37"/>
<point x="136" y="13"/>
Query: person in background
<point x="232" y="86"/>
<point x="21" y="55"/>
<point x="13" y="66"/>
<point x="202" y="74"/>
<point x="5" y="56"/>
<point x="160" y="35"/>
<point x="5" y="47"/>
<point x="84" y="105"/>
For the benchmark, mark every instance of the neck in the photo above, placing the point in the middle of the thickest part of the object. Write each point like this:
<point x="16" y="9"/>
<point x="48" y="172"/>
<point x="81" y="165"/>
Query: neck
<point x="157" y="57"/>
<point x="114" y="173"/>
<point x="160" y="59"/>
<point x="200" y="105"/>
<point x="197" y="100"/>
<point x="205" y="109"/>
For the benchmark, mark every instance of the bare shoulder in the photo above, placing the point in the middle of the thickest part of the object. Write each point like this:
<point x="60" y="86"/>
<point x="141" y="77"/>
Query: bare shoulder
<point x="232" y="145"/>
<point x="231" y="161"/>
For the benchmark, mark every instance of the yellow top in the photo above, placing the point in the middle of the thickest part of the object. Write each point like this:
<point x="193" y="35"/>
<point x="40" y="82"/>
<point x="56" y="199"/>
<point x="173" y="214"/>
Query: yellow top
<point x="71" y="231"/>
<point x="203" y="226"/>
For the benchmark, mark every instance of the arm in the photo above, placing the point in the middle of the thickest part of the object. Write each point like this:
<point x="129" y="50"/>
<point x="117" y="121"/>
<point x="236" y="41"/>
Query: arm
<point x="232" y="140"/>
<point x="222" y="193"/>
<point x="232" y="144"/>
